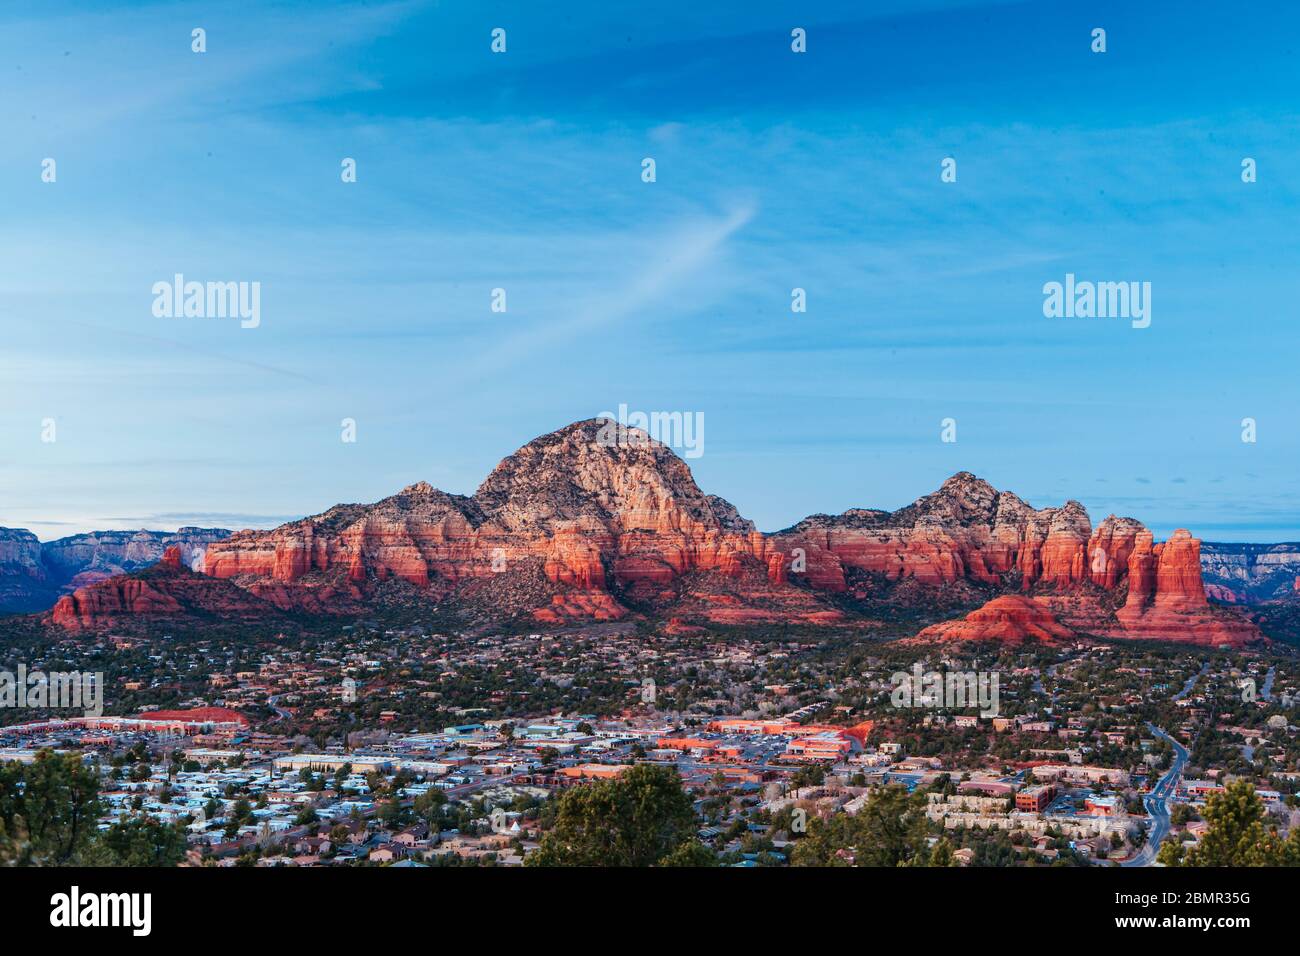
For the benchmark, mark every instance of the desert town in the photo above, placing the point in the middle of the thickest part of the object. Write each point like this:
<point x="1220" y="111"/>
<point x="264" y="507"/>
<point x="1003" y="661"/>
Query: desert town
<point x="368" y="756"/>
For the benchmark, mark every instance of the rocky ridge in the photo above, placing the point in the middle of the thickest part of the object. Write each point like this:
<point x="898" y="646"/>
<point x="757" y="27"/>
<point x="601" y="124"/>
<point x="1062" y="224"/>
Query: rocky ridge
<point x="33" y="574"/>
<point x="165" y="591"/>
<point x="596" y="522"/>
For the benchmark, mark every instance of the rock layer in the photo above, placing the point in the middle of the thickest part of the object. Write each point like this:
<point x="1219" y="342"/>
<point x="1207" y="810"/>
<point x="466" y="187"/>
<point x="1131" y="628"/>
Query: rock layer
<point x="167" y="590"/>
<point x="602" y="509"/>
<point x="596" y="521"/>
<point x="34" y="574"/>
<point x="25" y="584"/>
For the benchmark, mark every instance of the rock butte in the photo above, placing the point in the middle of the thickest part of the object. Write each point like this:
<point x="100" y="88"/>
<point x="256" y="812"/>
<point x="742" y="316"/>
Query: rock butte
<point x="600" y="523"/>
<point x="168" y="589"/>
<point x="1010" y="619"/>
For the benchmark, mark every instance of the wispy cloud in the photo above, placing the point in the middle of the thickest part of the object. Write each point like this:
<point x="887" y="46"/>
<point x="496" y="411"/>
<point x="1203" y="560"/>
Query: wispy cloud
<point x="585" y="321"/>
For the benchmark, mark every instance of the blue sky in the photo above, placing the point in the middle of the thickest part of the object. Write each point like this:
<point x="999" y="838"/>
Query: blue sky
<point x="774" y="170"/>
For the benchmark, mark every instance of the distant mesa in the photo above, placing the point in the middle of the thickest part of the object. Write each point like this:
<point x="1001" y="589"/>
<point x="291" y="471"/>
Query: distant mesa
<point x="1251" y="573"/>
<point x="166" y="591"/>
<point x="33" y="574"/>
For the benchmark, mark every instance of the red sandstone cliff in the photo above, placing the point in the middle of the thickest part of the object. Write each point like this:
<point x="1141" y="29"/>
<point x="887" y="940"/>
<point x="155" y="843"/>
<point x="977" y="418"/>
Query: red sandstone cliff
<point x="167" y="590"/>
<point x="968" y="533"/>
<point x="967" y="530"/>
<point x="595" y="521"/>
<point x="1166" y="599"/>
<point x="603" y="515"/>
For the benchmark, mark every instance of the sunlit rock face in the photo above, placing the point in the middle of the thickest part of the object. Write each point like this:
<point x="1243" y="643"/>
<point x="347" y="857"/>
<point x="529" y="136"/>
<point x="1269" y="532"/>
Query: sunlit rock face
<point x="597" y="521"/>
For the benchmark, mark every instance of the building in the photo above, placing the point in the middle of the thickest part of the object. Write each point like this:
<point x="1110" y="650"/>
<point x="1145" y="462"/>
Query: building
<point x="1102" y="806"/>
<point x="1035" y="799"/>
<point x="686" y="744"/>
<point x="592" y="771"/>
<point x="1078" y="775"/>
<point x="989" y="788"/>
<point x="360" y="763"/>
<point x="823" y="746"/>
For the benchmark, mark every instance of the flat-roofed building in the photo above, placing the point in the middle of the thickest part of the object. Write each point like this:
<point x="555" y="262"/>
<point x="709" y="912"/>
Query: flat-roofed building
<point x="360" y="763"/>
<point x="1035" y="799"/>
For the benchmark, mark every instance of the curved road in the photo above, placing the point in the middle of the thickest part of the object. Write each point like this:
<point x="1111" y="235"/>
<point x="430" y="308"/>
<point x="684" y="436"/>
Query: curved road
<point x="1157" y="802"/>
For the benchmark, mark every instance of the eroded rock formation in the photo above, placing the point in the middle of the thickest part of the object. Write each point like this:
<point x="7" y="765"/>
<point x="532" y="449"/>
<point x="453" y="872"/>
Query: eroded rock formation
<point x="168" y="589"/>
<point x="596" y="521"/>
<point x="1010" y="619"/>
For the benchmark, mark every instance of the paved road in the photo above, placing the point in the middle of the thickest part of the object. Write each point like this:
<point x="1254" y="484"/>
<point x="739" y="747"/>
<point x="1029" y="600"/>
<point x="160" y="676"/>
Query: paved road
<point x="1157" y="801"/>
<point x="1191" y="682"/>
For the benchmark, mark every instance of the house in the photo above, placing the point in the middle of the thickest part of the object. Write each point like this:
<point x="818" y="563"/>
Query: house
<point x="990" y="788"/>
<point x="314" y="845"/>
<point x="412" y="836"/>
<point x="386" y="853"/>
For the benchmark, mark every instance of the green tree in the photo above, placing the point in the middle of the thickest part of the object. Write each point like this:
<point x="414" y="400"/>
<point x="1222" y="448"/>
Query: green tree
<point x="639" y="818"/>
<point x="890" y="830"/>
<point x="809" y="775"/>
<point x="942" y="854"/>
<point x="1288" y="852"/>
<point x="242" y="811"/>
<point x="429" y="805"/>
<point x="1236" y="835"/>
<point x="690" y="853"/>
<point x="144" y="841"/>
<point x="1171" y="853"/>
<point x="10" y="847"/>
<point x="48" y="809"/>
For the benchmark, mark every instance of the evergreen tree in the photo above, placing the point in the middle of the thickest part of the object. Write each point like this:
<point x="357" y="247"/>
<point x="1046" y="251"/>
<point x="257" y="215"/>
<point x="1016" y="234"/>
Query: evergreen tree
<point x="639" y="818"/>
<point x="1237" y="835"/>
